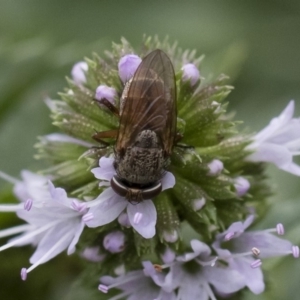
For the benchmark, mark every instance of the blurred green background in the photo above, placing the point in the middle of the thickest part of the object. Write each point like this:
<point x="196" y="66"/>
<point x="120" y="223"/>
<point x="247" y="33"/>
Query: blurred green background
<point x="255" y="42"/>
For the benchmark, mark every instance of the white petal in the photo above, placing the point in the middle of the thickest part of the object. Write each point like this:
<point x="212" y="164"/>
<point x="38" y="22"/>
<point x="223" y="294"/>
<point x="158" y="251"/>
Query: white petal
<point x="146" y="226"/>
<point x="106" y="170"/>
<point x="253" y="277"/>
<point x="291" y="168"/>
<point x="276" y="123"/>
<point x="53" y="236"/>
<point x="59" y="195"/>
<point x="77" y="232"/>
<point x="225" y="280"/>
<point x="168" y="181"/>
<point x="276" y="154"/>
<point x="108" y="209"/>
<point x="200" y="248"/>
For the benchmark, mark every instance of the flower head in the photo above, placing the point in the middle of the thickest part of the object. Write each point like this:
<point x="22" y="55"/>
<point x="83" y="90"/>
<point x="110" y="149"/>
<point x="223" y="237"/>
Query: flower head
<point x="278" y="142"/>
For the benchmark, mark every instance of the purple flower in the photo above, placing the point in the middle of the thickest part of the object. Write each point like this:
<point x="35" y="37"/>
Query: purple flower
<point x="241" y="249"/>
<point x="108" y="206"/>
<point x="146" y="284"/>
<point x="190" y="72"/>
<point x="194" y="272"/>
<point x="54" y="221"/>
<point x="128" y="64"/>
<point x="278" y="142"/>
<point x="78" y="72"/>
<point x="105" y="92"/>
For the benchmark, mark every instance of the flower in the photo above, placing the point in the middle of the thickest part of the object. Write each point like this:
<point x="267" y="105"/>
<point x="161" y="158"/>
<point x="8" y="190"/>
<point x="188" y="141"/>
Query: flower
<point x="240" y="250"/>
<point x="190" y="73"/>
<point x="106" y="92"/>
<point x="78" y="72"/>
<point x="127" y="66"/>
<point x="146" y="284"/>
<point x="194" y="272"/>
<point x="108" y="206"/>
<point x="54" y="220"/>
<point x="278" y="142"/>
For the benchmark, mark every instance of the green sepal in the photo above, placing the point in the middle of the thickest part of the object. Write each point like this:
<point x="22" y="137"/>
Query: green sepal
<point x="69" y="174"/>
<point x="57" y="151"/>
<point x="144" y="246"/>
<point x="186" y="194"/>
<point x="167" y="219"/>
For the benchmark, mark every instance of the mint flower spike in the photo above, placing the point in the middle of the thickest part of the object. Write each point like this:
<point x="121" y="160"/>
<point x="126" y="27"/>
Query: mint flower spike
<point x="278" y="142"/>
<point x="140" y="284"/>
<point x="53" y="224"/>
<point x="240" y="250"/>
<point x="78" y="72"/>
<point x="108" y="206"/>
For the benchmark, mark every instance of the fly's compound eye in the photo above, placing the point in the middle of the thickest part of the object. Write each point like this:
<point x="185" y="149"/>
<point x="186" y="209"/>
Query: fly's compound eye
<point x="122" y="190"/>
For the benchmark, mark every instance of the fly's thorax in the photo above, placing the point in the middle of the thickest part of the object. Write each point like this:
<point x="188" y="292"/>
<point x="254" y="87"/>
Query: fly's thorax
<point x="144" y="162"/>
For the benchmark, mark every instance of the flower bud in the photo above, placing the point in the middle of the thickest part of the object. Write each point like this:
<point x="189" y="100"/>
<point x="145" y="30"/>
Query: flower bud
<point x="114" y="242"/>
<point x="190" y="72"/>
<point x="78" y="72"/>
<point x="215" y="167"/>
<point x="128" y="65"/>
<point x="241" y="185"/>
<point x="105" y="92"/>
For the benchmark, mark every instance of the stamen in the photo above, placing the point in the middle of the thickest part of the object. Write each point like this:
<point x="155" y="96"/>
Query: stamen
<point x="128" y="278"/>
<point x="8" y="178"/>
<point x="137" y="218"/>
<point x="256" y="264"/>
<point x="229" y="236"/>
<point x="255" y="251"/>
<point x="10" y="207"/>
<point x="80" y="207"/>
<point x="280" y="229"/>
<point x="23" y="274"/>
<point x="28" y="204"/>
<point x="295" y="251"/>
<point x="209" y="291"/>
<point x="103" y="288"/>
<point x="48" y="253"/>
<point x="88" y="217"/>
<point x="29" y="235"/>
<point x="158" y="268"/>
<point x="15" y="230"/>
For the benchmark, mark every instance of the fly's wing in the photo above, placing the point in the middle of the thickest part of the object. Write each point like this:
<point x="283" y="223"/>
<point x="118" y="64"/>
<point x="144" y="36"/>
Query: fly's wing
<point x="150" y="103"/>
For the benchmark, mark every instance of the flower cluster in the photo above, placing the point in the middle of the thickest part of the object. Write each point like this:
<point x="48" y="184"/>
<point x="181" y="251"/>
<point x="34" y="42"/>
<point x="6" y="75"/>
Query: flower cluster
<point x="213" y="185"/>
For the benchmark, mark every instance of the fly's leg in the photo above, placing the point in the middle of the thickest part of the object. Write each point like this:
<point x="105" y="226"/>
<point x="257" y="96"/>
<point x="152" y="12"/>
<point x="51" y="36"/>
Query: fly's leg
<point x="99" y="136"/>
<point x="109" y="106"/>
